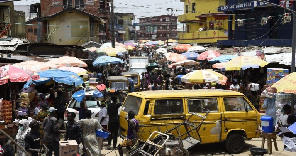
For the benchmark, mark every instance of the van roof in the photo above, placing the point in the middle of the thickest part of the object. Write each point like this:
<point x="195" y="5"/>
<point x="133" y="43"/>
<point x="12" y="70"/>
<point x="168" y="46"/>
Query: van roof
<point x="185" y="93"/>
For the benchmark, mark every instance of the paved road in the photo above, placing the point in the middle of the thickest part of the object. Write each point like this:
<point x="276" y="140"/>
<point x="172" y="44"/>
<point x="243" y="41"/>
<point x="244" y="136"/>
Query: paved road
<point x="219" y="149"/>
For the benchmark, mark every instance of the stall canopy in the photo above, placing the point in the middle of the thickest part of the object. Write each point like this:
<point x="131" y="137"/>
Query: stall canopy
<point x="174" y="57"/>
<point x="244" y="62"/>
<point x="105" y="60"/>
<point x="59" y="76"/>
<point x="223" y="58"/>
<point x="66" y="61"/>
<point x="190" y="55"/>
<point x="15" y="74"/>
<point x="204" y="76"/>
<point x="208" y="55"/>
<point x="286" y="84"/>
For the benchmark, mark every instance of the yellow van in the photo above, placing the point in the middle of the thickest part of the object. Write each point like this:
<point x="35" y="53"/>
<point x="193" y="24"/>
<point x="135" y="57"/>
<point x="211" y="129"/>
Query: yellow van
<point x="229" y="116"/>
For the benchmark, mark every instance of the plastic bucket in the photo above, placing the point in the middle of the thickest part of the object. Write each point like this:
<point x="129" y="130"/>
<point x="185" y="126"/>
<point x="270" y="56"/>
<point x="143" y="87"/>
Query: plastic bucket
<point x="102" y="134"/>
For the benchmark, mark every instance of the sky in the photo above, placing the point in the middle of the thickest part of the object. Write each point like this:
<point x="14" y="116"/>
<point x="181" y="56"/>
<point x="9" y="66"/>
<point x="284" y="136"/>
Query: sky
<point x="140" y="8"/>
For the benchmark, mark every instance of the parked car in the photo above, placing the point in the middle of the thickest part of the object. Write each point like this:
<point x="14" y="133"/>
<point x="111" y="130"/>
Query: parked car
<point x="218" y="115"/>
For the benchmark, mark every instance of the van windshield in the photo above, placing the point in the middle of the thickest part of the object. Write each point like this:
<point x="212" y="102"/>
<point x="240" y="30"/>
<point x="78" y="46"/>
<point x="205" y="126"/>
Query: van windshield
<point x="119" y="85"/>
<point x="132" y="103"/>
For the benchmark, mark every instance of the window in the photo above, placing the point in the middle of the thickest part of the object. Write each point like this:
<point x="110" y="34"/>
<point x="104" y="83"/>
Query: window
<point x="236" y="104"/>
<point x="146" y="108"/>
<point x="30" y="30"/>
<point x="120" y="21"/>
<point x="79" y="4"/>
<point x="67" y="3"/>
<point x="168" y="106"/>
<point x="186" y="9"/>
<point x="193" y="7"/>
<point x="203" y="105"/>
<point x="35" y="31"/>
<point x="132" y="103"/>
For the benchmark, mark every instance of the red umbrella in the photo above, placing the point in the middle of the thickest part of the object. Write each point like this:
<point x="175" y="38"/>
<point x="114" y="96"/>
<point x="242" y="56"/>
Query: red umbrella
<point x="15" y="74"/>
<point x="182" y="47"/>
<point x="208" y="55"/>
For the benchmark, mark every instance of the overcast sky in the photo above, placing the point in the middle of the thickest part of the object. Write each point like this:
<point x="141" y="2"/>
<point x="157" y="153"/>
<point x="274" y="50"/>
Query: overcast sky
<point x="140" y="8"/>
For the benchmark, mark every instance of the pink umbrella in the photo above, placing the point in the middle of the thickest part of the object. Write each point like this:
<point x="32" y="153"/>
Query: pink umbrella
<point x="174" y="57"/>
<point x="219" y="65"/>
<point x="34" y="66"/>
<point x="208" y="55"/>
<point x="15" y="74"/>
<point x="67" y="61"/>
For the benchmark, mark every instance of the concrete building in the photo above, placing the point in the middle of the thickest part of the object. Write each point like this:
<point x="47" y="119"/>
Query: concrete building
<point x="260" y="23"/>
<point x="123" y="26"/>
<point x="158" y="28"/>
<point x="204" y="23"/>
<point x="70" y="22"/>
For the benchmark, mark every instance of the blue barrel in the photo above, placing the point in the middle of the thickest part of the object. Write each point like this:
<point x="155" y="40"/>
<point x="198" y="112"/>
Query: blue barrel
<point x="267" y="124"/>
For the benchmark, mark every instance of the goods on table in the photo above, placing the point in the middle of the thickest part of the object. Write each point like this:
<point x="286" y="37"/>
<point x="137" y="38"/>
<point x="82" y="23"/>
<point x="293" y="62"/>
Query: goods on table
<point x="6" y="111"/>
<point x="275" y="74"/>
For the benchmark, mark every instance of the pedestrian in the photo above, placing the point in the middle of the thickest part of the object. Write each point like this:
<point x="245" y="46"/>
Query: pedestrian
<point x="89" y="127"/>
<point x="282" y="121"/>
<point x="103" y="120"/>
<point x="82" y="110"/>
<point x="24" y="129"/>
<point x="234" y="86"/>
<point x="60" y="104"/>
<point x="73" y="129"/>
<point x="32" y="139"/>
<point x="133" y="126"/>
<point x="51" y="135"/>
<point x="269" y="102"/>
<point x="113" y="123"/>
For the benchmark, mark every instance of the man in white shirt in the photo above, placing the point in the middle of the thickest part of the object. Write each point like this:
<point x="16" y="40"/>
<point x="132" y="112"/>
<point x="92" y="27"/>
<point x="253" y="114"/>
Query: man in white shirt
<point x="103" y="120"/>
<point x="234" y="86"/>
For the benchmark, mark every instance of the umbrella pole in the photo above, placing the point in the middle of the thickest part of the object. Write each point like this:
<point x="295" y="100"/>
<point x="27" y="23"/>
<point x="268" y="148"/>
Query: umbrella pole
<point x="293" y="103"/>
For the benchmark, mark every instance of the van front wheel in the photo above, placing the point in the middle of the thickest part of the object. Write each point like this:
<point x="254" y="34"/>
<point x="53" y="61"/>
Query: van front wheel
<point x="235" y="143"/>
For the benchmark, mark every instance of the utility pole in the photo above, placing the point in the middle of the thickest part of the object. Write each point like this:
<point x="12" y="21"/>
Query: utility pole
<point x="293" y="43"/>
<point x="113" y="41"/>
<point x="169" y="24"/>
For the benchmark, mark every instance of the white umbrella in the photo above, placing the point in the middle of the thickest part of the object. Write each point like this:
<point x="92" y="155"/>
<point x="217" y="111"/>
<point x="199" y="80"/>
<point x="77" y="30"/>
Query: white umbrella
<point x="161" y="50"/>
<point x="197" y="49"/>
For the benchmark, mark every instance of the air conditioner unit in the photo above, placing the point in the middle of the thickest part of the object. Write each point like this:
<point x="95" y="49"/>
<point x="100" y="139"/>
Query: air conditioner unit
<point x="264" y="20"/>
<point x="287" y="18"/>
<point x="240" y="22"/>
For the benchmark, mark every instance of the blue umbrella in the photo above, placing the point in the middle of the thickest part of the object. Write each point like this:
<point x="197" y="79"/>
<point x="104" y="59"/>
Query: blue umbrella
<point x="223" y="58"/>
<point x="97" y="94"/>
<point x="104" y="60"/>
<point x="293" y="128"/>
<point x="60" y="76"/>
<point x="190" y="55"/>
<point x="79" y="95"/>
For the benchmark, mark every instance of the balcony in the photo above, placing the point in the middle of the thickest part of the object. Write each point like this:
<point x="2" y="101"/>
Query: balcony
<point x="188" y="17"/>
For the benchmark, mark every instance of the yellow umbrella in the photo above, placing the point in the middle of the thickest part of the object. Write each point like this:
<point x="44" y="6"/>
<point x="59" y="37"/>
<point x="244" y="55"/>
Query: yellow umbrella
<point x="244" y="62"/>
<point x="129" y="47"/>
<point x="204" y="76"/>
<point x="114" y="51"/>
<point x="286" y="84"/>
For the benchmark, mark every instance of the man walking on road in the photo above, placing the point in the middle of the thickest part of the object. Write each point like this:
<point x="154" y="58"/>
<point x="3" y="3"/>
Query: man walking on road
<point x="51" y="135"/>
<point x="113" y="123"/>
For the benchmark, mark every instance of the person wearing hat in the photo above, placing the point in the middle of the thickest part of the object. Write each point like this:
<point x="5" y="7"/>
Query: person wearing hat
<point x="32" y="139"/>
<point x="51" y="135"/>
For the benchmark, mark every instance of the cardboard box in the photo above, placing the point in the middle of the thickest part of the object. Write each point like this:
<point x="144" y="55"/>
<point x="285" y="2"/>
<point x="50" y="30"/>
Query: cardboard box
<point x="68" y="148"/>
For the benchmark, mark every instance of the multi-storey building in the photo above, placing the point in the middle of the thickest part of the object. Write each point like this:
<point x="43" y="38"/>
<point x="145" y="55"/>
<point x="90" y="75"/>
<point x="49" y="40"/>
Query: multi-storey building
<point x="70" y="22"/>
<point x="123" y="26"/>
<point x="158" y="28"/>
<point x="261" y="23"/>
<point x="204" y="23"/>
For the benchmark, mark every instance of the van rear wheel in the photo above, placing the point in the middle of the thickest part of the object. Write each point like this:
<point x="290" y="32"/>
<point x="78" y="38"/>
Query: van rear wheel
<point x="235" y="143"/>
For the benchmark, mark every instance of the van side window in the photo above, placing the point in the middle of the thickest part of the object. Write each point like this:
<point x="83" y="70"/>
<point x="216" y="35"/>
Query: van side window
<point x="203" y="105"/>
<point x="236" y="104"/>
<point x="146" y="108"/>
<point x="168" y="106"/>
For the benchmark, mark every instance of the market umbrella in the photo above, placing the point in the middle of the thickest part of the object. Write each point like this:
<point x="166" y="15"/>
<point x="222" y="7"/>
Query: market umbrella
<point x="161" y="50"/>
<point x="77" y="70"/>
<point x="66" y="61"/>
<point x="286" y="84"/>
<point x="196" y="49"/>
<point x="79" y="95"/>
<point x="114" y="51"/>
<point x="185" y="62"/>
<point x="182" y="47"/>
<point x="34" y="66"/>
<point x="108" y="44"/>
<point x="101" y="87"/>
<point x="129" y="47"/>
<point x="15" y="74"/>
<point x="129" y="44"/>
<point x="104" y="60"/>
<point x="244" y="62"/>
<point x="223" y="58"/>
<point x="60" y="76"/>
<point x="208" y="55"/>
<point x="204" y="76"/>
<point x="219" y="65"/>
<point x="174" y="57"/>
<point x="190" y="55"/>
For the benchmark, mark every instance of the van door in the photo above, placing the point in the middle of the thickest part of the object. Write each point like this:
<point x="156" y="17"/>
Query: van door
<point x="210" y="130"/>
<point x="239" y="114"/>
<point x="166" y="114"/>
